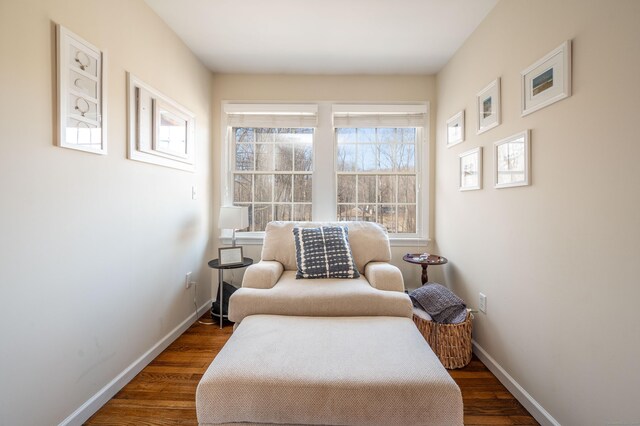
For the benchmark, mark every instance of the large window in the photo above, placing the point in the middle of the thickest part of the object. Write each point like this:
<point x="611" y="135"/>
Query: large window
<point x="376" y="176"/>
<point x="273" y="173"/>
<point x="327" y="162"/>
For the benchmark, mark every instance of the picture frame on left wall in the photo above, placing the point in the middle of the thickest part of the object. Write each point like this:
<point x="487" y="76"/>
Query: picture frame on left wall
<point x="161" y="131"/>
<point x="82" y="118"/>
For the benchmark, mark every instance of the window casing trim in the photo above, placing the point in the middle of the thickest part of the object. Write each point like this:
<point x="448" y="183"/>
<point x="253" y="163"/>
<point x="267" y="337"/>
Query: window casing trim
<point x="325" y="127"/>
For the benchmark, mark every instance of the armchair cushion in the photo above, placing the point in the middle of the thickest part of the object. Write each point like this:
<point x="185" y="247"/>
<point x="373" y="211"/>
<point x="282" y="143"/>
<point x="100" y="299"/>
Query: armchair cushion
<point x="369" y="242"/>
<point x="384" y="276"/>
<point x="324" y="252"/>
<point x="264" y="274"/>
<point x="323" y="297"/>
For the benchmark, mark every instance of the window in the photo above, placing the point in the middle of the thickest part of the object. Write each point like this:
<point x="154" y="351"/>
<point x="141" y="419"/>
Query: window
<point x="328" y="162"/>
<point x="272" y="168"/>
<point x="377" y="177"/>
<point x="273" y="173"/>
<point x="378" y="155"/>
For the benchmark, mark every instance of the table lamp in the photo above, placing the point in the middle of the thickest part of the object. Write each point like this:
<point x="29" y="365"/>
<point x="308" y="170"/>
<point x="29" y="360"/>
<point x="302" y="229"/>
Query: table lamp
<point x="233" y="217"/>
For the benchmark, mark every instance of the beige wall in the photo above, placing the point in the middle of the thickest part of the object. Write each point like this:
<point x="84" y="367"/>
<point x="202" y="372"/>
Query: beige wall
<point x="300" y="88"/>
<point x="558" y="259"/>
<point x="93" y="248"/>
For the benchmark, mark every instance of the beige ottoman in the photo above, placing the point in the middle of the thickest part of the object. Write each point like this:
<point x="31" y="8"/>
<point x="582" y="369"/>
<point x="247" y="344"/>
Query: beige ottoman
<point x="327" y="371"/>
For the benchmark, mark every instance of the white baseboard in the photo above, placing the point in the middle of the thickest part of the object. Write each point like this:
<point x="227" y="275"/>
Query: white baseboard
<point x="535" y="409"/>
<point x="93" y="404"/>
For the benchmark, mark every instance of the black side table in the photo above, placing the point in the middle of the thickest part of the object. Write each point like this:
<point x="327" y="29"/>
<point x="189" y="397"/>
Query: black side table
<point x="215" y="264"/>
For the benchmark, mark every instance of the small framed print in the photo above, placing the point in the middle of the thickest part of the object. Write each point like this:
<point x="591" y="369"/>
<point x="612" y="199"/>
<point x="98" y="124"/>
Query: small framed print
<point x="512" y="161"/>
<point x="548" y="80"/>
<point x="455" y="129"/>
<point x="488" y="103"/>
<point x="230" y="256"/>
<point x="470" y="170"/>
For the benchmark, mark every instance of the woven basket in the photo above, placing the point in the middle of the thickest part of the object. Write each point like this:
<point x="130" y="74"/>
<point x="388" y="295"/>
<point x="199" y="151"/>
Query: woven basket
<point x="450" y="342"/>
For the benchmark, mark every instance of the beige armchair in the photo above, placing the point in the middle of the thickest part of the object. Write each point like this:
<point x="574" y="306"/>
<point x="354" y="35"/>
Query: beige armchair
<point x="270" y="286"/>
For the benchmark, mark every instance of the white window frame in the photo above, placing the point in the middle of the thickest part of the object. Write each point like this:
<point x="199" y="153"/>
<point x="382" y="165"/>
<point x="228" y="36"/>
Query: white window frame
<point x="392" y="116"/>
<point x="324" y="170"/>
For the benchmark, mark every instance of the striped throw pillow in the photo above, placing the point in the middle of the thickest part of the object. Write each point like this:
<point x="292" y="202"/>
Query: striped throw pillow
<point x="324" y="252"/>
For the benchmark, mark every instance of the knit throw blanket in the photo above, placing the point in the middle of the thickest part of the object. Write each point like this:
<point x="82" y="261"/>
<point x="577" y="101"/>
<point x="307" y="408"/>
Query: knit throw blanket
<point x="439" y="302"/>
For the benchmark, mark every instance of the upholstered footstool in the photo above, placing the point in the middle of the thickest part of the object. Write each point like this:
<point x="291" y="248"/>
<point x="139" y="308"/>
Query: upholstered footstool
<point x="327" y="371"/>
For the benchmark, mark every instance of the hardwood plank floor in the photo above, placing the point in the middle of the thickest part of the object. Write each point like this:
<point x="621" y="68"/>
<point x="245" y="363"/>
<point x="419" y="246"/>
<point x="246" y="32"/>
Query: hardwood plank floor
<point x="163" y="393"/>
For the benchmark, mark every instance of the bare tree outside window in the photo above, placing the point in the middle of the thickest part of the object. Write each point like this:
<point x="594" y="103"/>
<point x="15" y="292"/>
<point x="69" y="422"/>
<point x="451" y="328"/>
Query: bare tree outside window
<point x="377" y="176"/>
<point x="273" y="173"/>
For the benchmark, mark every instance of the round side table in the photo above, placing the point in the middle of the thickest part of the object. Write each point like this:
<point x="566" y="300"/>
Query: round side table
<point x="215" y="264"/>
<point x="424" y="262"/>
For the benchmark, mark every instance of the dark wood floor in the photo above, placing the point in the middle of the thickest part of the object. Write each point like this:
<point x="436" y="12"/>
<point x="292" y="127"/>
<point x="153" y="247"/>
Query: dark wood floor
<point x="164" y="392"/>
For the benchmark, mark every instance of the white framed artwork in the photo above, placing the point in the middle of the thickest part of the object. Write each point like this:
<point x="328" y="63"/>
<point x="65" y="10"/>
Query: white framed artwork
<point x="161" y="131"/>
<point x="455" y="129"/>
<point x="548" y="80"/>
<point x="488" y="106"/>
<point x="470" y="170"/>
<point x="82" y="122"/>
<point x="512" y="160"/>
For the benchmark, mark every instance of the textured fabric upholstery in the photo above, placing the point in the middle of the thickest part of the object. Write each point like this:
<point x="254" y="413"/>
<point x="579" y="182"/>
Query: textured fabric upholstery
<point x="263" y="274"/>
<point x="324" y="252"/>
<point x="318" y="297"/>
<point x="266" y="289"/>
<point x="369" y="242"/>
<point x="329" y="371"/>
<point x="384" y="276"/>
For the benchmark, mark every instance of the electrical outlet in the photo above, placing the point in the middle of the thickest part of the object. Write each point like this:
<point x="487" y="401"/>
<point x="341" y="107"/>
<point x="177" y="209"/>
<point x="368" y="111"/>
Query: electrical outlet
<point x="187" y="280"/>
<point x="483" y="303"/>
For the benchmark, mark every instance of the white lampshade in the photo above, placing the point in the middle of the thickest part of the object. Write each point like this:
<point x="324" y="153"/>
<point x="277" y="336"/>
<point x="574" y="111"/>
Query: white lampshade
<point x="233" y="217"/>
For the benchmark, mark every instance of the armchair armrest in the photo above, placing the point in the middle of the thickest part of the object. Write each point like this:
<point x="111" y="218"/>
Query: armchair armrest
<point x="263" y="274"/>
<point x="384" y="276"/>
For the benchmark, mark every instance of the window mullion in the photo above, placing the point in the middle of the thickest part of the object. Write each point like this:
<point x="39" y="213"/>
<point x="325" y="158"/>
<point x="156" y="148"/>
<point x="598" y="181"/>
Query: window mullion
<point x="325" y="167"/>
<point x="253" y="201"/>
<point x="396" y="181"/>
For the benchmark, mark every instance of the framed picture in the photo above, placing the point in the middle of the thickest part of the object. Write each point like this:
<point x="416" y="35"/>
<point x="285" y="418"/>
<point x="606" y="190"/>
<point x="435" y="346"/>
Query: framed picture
<point x="455" y="129"/>
<point x="470" y="170"/>
<point x="82" y="123"/>
<point x="512" y="161"/>
<point x="548" y="80"/>
<point x="488" y="102"/>
<point x="170" y="130"/>
<point x="161" y="131"/>
<point x="230" y="256"/>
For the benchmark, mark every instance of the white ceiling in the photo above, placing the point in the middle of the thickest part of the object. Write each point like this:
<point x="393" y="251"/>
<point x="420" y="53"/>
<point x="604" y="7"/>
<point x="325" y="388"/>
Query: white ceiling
<point x="323" y="36"/>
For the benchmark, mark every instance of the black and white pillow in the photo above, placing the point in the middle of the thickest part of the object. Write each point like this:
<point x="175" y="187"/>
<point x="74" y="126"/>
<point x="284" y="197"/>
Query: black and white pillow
<point x="324" y="252"/>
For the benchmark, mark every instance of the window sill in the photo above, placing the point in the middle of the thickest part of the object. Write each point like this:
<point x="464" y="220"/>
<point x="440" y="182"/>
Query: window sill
<point x="258" y="239"/>
<point x="254" y="240"/>
<point x="408" y="242"/>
